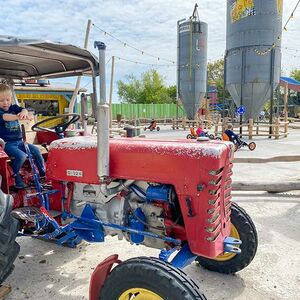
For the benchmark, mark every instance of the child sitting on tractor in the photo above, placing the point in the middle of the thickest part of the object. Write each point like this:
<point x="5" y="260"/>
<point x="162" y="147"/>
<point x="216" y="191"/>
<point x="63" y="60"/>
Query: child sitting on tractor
<point x="231" y="135"/>
<point x="10" y="132"/>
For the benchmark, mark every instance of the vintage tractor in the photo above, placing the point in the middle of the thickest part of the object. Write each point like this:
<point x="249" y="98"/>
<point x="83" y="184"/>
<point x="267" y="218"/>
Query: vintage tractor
<point x="170" y="195"/>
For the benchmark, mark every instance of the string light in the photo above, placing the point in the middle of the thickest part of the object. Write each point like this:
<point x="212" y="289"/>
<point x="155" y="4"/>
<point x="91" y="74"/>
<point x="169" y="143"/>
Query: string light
<point x="146" y="64"/>
<point x="132" y="47"/>
<point x="262" y="53"/>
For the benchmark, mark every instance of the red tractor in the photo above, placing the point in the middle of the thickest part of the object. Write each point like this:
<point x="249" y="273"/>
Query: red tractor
<point x="170" y="195"/>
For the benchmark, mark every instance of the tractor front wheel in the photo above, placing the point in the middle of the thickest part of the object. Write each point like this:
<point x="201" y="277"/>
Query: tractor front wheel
<point x="9" y="227"/>
<point x="242" y="228"/>
<point x="148" y="279"/>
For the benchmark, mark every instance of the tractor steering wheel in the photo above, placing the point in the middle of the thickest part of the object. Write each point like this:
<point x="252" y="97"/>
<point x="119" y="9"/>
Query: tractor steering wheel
<point x="58" y="129"/>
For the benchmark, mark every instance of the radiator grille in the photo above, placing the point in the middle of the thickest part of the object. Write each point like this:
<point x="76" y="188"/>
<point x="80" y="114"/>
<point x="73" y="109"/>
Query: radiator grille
<point x="219" y="189"/>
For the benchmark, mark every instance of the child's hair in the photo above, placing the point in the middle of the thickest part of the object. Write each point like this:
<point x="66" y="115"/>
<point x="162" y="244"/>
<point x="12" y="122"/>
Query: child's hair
<point x="4" y="89"/>
<point x="229" y="126"/>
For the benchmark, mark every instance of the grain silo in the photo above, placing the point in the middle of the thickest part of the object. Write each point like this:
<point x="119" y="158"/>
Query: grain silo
<point x="192" y="63"/>
<point x="253" y="54"/>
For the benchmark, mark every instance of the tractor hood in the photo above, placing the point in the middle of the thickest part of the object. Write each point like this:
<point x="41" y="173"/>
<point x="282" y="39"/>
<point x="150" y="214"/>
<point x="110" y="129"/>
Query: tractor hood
<point x="75" y="159"/>
<point x="30" y="58"/>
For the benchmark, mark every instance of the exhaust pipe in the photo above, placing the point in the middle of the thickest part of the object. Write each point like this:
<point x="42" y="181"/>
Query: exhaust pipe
<point x="102" y="122"/>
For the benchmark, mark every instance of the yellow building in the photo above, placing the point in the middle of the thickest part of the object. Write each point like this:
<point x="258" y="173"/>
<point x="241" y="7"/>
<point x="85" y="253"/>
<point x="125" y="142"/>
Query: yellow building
<point x="46" y="101"/>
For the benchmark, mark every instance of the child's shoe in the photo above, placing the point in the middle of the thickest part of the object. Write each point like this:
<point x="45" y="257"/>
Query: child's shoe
<point x="19" y="183"/>
<point x="42" y="174"/>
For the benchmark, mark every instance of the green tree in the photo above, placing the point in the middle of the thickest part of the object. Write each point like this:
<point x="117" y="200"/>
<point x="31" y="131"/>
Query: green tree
<point x="149" y="89"/>
<point x="215" y="73"/>
<point x="295" y="74"/>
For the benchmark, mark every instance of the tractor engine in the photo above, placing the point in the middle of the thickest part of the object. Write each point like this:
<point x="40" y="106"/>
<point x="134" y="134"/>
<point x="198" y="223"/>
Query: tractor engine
<point x="139" y="206"/>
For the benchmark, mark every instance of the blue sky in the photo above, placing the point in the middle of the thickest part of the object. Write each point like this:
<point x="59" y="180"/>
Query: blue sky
<point x="149" y="25"/>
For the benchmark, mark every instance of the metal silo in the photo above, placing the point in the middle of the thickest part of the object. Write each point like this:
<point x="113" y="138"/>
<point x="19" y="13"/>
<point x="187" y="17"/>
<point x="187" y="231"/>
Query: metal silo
<point x="253" y="55"/>
<point x="192" y="62"/>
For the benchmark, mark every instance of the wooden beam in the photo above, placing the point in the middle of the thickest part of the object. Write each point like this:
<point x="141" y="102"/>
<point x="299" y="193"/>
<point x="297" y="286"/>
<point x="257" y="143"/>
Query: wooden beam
<point x="253" y="160"/>
<point x="4" y="291"/>
<point x="271" y="187"/>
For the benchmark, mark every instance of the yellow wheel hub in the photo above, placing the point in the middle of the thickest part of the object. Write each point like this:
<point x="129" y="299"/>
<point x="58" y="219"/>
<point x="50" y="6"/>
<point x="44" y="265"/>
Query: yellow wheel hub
<point x="139" y="294"/>
<point x="227" y="256"/>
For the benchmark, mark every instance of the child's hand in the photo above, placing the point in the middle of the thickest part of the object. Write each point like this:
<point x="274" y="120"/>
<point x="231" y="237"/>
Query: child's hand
<point x="23" y="115"/>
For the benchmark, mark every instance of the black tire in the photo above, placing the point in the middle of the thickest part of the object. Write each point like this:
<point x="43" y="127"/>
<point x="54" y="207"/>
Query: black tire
<point x="218" y="138"/>
<point x="9" y="248"/>
<point x="152" y="275"/>
<point x="251" y="146"/>
<point x="189" y="136"/>
<point x="211" y="136"/>
<point x="248" y="235"/>
<point x="158" y="128"/>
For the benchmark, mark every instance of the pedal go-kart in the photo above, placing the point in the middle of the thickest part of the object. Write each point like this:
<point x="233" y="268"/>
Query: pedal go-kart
<point x="193" y="135"/>
<point x="238" y="145"/>
<point x="152" y="126"/>
<point x="96" y="186"/>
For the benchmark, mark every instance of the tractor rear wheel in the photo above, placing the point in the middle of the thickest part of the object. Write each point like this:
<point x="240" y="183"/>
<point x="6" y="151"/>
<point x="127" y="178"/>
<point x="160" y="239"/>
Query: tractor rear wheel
<point x="242" y="228"/>
<point x="9" y="227"/>
<point x="145" y="278"/>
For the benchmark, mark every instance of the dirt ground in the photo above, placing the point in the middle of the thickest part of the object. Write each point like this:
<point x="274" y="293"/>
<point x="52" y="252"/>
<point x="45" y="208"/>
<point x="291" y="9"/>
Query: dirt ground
<point x="46" y="271"/>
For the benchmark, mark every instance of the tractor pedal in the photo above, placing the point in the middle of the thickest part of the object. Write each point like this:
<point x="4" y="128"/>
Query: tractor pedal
<point x="46" y="186"/>
<point x="30" y="213"/>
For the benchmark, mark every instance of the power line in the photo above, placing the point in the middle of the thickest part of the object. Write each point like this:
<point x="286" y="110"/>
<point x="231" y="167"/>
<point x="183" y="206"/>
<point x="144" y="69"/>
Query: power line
<point x="125" y="44"/>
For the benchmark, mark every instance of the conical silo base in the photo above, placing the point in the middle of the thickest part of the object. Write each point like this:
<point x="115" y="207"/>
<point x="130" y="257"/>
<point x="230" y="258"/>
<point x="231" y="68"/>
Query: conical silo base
<point x="255" y="96"/>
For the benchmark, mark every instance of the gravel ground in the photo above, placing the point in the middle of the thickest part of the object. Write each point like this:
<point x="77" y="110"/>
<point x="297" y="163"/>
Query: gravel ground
<point x="46" y="271"/>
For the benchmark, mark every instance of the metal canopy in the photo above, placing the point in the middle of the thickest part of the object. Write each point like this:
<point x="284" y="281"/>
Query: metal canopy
<point x="29" y="58"/>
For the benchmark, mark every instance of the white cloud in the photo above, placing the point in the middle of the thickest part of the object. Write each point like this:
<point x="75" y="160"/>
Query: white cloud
<point x="149" y="25"/>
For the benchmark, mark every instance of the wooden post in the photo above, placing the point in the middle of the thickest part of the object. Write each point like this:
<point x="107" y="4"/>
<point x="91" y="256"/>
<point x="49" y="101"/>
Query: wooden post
<point x="250" y="129"/>
<point x="285" y="109"/>
<point x="183" y="123"/>
<point x="277" y="123"/>
<point x="77" y="86"/>
<point x="217" y="126"/>
<point x="225" y="122"/>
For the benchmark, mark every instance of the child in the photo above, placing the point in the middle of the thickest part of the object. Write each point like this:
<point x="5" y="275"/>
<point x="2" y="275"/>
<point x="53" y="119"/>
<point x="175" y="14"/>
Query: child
<point x="232" y="136"/>
<point x="10" y="132"/>
<point x="200" y="131"/>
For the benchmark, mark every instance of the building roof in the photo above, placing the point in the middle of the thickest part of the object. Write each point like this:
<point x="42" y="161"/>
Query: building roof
<point x="292" y="83"/>
<point x="48" y="88"/>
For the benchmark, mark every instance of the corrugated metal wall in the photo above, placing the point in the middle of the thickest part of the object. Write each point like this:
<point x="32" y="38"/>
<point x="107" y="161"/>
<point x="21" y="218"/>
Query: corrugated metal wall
<point x="149" y="111"/>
